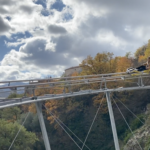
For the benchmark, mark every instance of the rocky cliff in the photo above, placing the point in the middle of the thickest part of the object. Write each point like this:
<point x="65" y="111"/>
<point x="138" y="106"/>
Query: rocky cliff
<point x="142" y="135"/>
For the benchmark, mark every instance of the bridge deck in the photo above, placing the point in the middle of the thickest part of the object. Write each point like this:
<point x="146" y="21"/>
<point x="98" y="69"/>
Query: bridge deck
<point x="20" y="101"/>
<point x="68" y="82"/>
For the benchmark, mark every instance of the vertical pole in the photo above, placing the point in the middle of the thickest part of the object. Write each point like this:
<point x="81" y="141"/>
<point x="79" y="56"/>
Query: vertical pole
<point x="139" y="81"/>
<point x="105" y="84"/>
<point x="42" y="125"/>
<point x="142" y="81"/>
<point x="101" y="84"/>
<point x="113" y="125"/>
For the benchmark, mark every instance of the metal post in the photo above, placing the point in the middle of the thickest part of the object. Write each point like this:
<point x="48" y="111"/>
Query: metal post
<point x="64" y="90"/>
<point x="140" y="81"/>
<point x="113" y="125"/>
<point x="69" y="87"/>
<point x="101" y="84"/>
<point x="42" y="125"/>
<point x="105" y="84"/>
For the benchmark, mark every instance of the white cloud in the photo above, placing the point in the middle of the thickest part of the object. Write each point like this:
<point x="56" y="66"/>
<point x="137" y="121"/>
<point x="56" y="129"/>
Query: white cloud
<point x="64" y="38"/>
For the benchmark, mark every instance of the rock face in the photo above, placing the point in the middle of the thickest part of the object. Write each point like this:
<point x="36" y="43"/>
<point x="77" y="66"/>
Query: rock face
<point x="141" y="138"/>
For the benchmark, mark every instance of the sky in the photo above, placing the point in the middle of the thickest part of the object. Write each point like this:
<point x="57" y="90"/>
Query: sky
<point x="41" y="38"/>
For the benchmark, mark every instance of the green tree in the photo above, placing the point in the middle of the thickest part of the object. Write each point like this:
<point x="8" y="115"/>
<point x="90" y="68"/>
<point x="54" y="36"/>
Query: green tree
<point x="11" y="114"/>
<point x="14" y="95"/>
<point x="24" y="141"/>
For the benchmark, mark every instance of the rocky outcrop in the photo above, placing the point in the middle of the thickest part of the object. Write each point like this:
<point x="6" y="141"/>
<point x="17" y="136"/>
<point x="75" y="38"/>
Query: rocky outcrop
<point x="141" y="138"/>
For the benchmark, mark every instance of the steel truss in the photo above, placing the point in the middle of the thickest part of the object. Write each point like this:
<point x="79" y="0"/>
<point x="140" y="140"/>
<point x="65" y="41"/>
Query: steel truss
<point x="103" y="79"/>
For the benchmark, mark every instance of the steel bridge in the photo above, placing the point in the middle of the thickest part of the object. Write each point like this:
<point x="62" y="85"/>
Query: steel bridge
<point x="66" y="83"/>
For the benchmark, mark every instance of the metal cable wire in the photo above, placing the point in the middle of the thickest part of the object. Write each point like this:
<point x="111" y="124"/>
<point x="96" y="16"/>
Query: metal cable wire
<point x="129" y="110"/>
<point x="19" y="131"/>
<point x="92" y="124"/>
<point x="127" y="124"/>
<point x="68" y="129"/>
<point x="63" y="128"/>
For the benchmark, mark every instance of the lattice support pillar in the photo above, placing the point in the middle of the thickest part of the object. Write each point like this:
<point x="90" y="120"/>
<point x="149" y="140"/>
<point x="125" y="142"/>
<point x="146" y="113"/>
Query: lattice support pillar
<point x="42" y="125"/>
<point x="113" y="125"/>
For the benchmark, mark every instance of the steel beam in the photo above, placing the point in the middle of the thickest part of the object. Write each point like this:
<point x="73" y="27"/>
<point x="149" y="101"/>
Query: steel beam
<point x="42" y="125"/>
<point x="21" y="101"/>
<point x="113" y="125"/>
<point x="97" y="75"/>
<point x="73" y="82"/>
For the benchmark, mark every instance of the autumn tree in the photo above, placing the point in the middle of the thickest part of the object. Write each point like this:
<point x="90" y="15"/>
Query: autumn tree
<point x="123" y="63"/>
<point x="140" y="51"/>
<point x="147" y="51"/>
<point x="101" y="63"/>
<point x="143" y="53"/>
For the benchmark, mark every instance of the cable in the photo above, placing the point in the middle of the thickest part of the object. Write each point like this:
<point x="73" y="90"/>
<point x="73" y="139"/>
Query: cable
<point x="19" y="131"/>
<point x="63" y="128"/>
<point x="129" y="110"/>
<point x="68" y="129"/>
<point x="127" y="124"/>
<point x="92" y="124"/>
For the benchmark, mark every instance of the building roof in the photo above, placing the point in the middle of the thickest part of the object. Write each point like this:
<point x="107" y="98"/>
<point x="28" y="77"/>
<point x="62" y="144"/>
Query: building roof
<point x="73" y="67"/>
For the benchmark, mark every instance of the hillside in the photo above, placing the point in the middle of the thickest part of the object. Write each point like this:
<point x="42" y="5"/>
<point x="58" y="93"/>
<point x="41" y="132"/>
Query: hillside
<point x="142" y="135"/>
<point x="77" y="113"/>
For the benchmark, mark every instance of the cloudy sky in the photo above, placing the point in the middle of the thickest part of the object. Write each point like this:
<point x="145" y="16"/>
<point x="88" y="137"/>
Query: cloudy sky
<point x="39" y="38"/>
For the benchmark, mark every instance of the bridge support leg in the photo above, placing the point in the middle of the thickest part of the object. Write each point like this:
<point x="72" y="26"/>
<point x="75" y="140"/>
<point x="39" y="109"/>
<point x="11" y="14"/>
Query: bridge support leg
<point x="42" y="125"/>
<point x="113" y="125"/>
<point x="140" y="81"/>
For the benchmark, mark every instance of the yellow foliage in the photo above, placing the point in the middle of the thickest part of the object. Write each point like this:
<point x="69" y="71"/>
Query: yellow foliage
<point x="25" y="108"/>
<point x="141" y="59"/>
<point x="32" y="108"/>
<point x="123" y="63"/>
<point x="140" y="51"/>
<point x="101" y="63"/>
<point x="147" y="52"/>
<point x="52" y="105"/>
<point x="143" y="53"/>
<point x="75" y="74"/>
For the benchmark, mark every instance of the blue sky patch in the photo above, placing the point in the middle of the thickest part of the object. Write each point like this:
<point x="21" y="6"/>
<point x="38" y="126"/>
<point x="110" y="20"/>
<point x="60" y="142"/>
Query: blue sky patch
<point x="21" y="35"/>
<point x="58" y="5"/>
<point x="5" y="49"/>
<point x="45" y="12"/>
<point x="67" y="17"/>
<point x="41" y="2"/>
<point x="8" y="18"/>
